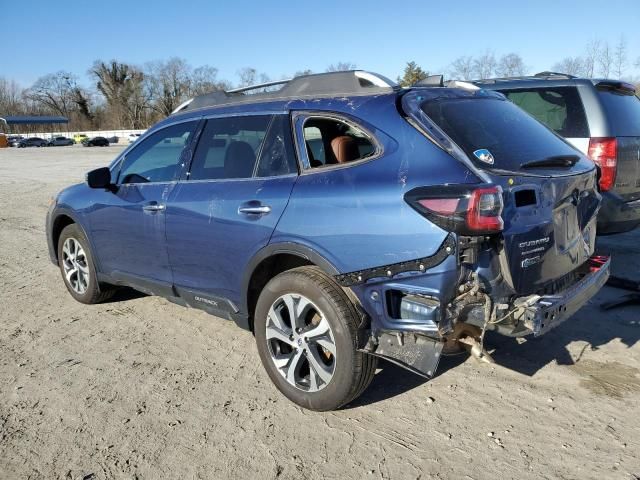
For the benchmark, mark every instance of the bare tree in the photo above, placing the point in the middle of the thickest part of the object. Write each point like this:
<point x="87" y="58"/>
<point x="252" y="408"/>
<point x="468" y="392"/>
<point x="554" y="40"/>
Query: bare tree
<point x="605" y="60"/>
<point x="204" y="79"/>
<point x="300" y="73"/>
<point x="170" y="84"/>
<point x="511" y="65"/>
<point x="247" y="76"/>
<point x="571" y="66"/>
<point x="341" y="67"/>
<point x="462" y="68"/>
<point x="10" y="97"/>
<point x="120" y="84"/>
<point x="54" y="92"/>
<point x="484" y="66"/>
<point x="591" y="57"/>
<point x="620" y="57"/>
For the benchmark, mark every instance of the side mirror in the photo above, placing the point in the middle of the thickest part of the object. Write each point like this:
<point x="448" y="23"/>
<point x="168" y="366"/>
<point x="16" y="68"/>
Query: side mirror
<point x="99" y="178"/>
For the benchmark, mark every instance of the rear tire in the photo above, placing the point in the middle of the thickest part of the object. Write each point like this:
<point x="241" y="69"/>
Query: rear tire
<point x="78" y="269"/>
<point x="319" y="366"/>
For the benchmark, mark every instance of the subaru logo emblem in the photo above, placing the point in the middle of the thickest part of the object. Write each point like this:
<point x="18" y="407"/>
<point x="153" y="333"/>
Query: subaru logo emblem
<point x="484" y="155"/>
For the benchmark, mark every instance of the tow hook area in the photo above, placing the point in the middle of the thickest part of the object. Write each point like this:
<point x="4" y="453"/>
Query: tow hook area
<point x="466" y="337"/>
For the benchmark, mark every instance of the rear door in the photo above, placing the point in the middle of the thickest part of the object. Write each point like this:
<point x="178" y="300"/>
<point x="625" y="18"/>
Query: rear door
<point x="622" y="109"/>
<point x="550" y="194"/>
<point x="238" y="186"/>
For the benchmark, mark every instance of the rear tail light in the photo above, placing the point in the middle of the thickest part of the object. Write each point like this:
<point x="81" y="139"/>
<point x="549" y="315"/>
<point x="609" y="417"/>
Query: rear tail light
<point x="604" y="153"/>
<point x="465" y="209"/>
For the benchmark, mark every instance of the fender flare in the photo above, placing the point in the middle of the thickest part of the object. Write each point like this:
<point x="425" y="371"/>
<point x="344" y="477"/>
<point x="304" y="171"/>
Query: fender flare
<point x="60" y="211"/>
<point x="290" y="248"/>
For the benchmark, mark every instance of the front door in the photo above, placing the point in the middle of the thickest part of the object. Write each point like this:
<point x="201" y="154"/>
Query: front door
<point x="128" y="223"/>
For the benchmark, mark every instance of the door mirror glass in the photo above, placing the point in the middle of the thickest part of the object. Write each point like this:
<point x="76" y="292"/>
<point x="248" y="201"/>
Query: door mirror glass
<point x="99" y="178"/>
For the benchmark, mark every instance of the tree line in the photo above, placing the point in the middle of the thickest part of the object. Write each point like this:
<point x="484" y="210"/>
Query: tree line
<point x="600" y="58"/>
<point x="123" y="96"/>
<point x="126" y="96"/>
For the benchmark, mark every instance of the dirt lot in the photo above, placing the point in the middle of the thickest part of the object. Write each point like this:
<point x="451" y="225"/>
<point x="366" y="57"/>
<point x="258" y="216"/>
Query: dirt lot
<point x="142" y="388"/>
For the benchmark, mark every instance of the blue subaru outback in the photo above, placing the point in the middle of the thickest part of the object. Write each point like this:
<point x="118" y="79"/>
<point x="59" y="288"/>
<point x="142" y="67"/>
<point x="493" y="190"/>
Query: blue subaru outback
<point x="342" y="219"/>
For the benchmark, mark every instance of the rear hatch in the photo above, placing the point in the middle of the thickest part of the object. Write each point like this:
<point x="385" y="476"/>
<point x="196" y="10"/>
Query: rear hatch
<point x="622" y="109"/>
<point x="549" y="188"/>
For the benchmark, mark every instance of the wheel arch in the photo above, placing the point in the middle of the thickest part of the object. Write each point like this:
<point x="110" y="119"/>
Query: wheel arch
<point x="62" y="219"/>
<point x="273" y="260"/>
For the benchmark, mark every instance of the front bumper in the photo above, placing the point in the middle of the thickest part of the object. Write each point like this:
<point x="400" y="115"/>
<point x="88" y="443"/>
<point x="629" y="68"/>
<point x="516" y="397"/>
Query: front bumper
<point x="549" y="311"/>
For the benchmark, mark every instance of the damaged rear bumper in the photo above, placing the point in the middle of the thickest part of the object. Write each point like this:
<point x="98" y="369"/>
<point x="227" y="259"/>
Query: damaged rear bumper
<point x="549" y="311"/>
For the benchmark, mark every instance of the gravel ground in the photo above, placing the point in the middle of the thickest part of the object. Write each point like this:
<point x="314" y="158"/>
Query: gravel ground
<point x="142" y="388"/>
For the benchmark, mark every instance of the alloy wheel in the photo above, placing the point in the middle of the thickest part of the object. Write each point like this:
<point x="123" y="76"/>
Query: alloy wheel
<point x="301" y="342"/>
<point x="76" y="266"/>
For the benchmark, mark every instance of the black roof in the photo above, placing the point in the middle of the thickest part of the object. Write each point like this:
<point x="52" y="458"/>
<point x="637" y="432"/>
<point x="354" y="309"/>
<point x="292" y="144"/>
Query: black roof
<point x="331" y="84"/>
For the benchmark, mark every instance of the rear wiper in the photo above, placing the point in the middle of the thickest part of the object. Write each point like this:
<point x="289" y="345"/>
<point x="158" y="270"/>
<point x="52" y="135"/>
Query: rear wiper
<point x="554" y="161"/>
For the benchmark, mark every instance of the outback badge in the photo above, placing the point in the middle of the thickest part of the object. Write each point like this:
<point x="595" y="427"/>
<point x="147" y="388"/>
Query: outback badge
<point x="484" y="155"/>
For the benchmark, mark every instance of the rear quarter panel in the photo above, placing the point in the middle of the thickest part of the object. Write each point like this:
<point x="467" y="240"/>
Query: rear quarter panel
<point x="355" y="216"/>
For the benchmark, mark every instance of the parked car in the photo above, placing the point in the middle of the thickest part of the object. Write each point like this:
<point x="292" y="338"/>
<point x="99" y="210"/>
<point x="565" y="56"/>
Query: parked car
<point x="599" y="117"/>
<point x="113" y="139"/>
<point x="60" y="142"/>
<point x="95" y="142"/>
<point x="133" y="137"/>
<point x="341" y="219"/>
<point x="14" y="140"/>
<point x="32" y="142"/>
<point x="80" y="137"/>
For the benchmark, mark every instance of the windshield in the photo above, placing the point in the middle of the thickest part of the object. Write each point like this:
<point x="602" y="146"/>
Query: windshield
<point x="492" y="132"/>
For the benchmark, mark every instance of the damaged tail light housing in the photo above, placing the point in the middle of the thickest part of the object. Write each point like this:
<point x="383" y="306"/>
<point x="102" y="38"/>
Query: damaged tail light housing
<point x="604" y="153"/>
<point x="464" y="209"/>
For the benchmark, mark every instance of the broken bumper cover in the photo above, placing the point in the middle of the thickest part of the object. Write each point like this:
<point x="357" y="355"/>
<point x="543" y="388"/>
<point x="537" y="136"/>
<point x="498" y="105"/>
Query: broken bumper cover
<point x="551" y="310"/>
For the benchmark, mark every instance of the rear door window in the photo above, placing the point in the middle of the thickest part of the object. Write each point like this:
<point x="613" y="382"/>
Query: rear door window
<point x="229" y="147"/>
<point x="492" y="132"/>
<point x="559" y="108"/>
<point x="623" y="113"/>
<point x="277" y="156"/>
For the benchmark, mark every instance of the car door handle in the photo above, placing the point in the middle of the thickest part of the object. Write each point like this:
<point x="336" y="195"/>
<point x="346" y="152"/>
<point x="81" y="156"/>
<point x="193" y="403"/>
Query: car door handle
<point x="254" y="209"/>
<point x="154" y="207"/>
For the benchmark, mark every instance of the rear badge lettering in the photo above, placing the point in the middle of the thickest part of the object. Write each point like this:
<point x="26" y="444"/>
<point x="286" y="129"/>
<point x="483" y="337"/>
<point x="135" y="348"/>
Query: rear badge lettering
<point x="484" y="155"/>
<point x="534" y="243"/>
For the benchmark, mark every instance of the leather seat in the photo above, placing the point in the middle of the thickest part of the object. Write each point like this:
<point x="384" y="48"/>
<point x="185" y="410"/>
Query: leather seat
<point x="345" y="149"/>
<point x="239" y="160"/>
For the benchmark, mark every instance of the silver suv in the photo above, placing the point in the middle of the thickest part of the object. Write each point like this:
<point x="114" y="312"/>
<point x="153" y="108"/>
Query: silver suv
<point x="599" y="117"/>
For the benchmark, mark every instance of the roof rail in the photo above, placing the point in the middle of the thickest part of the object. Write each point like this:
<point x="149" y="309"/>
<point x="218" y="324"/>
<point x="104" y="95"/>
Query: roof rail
<point x="553" y="74"/>
<point x="345" y="83"/>
<point x="537" y="76"/>
<point x="259" y="86"/>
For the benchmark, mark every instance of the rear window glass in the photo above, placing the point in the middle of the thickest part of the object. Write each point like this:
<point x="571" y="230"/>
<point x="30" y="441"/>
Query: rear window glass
<point x="558" y="108"/>
<point x="481" y="125"/>
<point x="623" y="113"/>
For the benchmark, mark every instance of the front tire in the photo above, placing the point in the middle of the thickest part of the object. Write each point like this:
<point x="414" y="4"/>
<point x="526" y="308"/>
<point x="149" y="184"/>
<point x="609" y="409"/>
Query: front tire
<point x="77" y="267"/>
<point x="306" y="333"/>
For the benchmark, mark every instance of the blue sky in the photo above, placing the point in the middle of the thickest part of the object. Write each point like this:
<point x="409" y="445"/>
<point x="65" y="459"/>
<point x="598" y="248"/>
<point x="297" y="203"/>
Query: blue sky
<point x="279" y="38"/>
